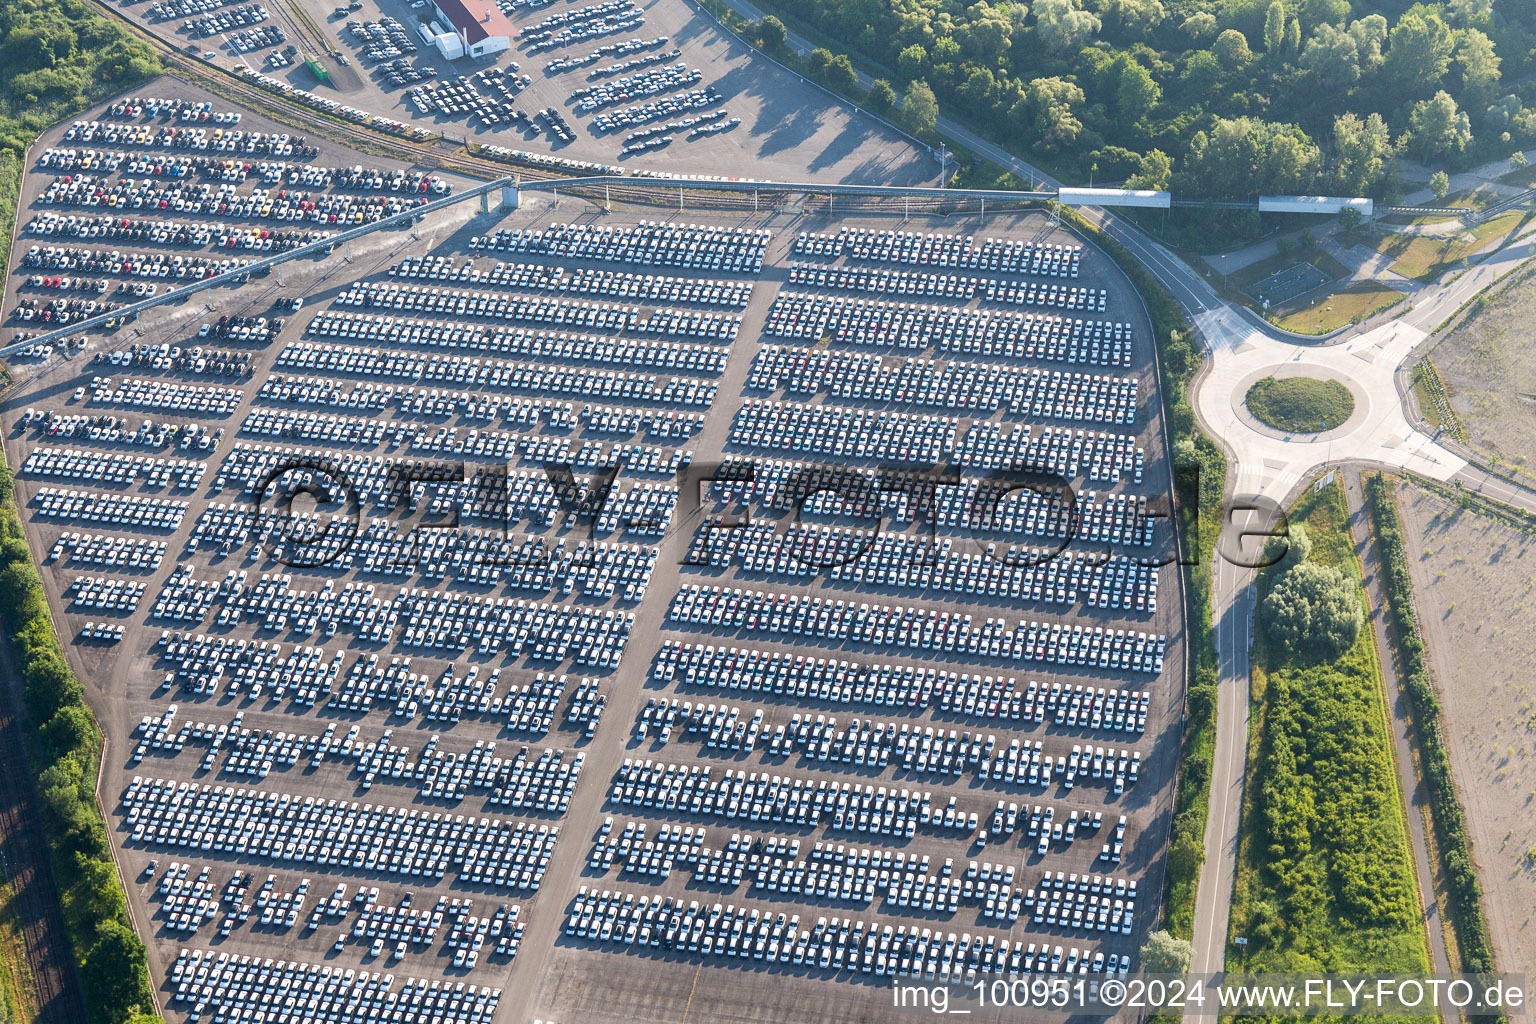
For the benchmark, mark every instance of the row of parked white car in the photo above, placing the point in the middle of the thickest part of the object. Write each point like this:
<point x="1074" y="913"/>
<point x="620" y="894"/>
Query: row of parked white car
<point x="106" y="551"/>
<point x="802" y="677"/>
<point x="497" y="373"/>
<point x="545" y="40"/>
<point x="555" y="312"/>
<point x="104" y="593"/>
<point x="649" y="243"/>
<point x="944" y="249"/>
<point x="94" y="508"/>
<point x="890" y="626"/>
<point x="541" y="377"/>
<point x="173" y="137"/>
<point x="329" y="833"/>
<point x="410" y="332"/>
<point x="137" y="264"/>
<point x="165" y="395"/>
<point x="179" y="234"/>
<point x="356" y="178"/>
<point x="807" y="316"/>
<point x="85" y="191"/>
<point x="907" y="562"/>
<point x="610" y="284"/>
<point x="922" y="284"/>
<point x="838" y="944"/>
<point x="657" y="110"/>
<point x="114" y="468"/>
<point x="306" y="676"/>
<point x="985" y="388"/>
<point x="761" y="796"/>
<point x="243" y="987"/>
<point x="592" y="98"/>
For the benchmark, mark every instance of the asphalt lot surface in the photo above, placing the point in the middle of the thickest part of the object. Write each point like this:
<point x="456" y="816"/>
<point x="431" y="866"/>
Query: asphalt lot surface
<point x="554" y="976"/>
<point x="791" y="130"/>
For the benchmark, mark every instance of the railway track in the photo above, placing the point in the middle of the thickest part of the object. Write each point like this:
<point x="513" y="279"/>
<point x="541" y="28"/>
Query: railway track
<point x="443" y="155"/>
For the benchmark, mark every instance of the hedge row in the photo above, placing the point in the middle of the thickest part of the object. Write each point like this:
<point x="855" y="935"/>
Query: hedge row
<point x="1200" y="473"/>
<point x="108" y="955"/>
<point x="1466" y="894"/>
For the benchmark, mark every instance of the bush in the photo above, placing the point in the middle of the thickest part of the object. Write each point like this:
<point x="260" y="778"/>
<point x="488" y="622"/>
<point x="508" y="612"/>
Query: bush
<point x="771" y="34"/>
<point x="1313" y="611"/>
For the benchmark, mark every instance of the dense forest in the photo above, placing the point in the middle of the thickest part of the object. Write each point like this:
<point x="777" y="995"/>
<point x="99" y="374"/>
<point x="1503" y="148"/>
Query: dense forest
<point x="1225" y="98"/>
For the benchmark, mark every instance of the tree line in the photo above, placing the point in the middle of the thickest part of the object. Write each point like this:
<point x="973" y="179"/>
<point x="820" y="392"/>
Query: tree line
<point x="109" y="956"/>
<point x="1226" y="98"/>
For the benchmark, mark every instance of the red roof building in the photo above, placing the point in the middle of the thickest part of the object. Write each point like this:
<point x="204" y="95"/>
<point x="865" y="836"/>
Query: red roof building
<point x="479" y="24"/>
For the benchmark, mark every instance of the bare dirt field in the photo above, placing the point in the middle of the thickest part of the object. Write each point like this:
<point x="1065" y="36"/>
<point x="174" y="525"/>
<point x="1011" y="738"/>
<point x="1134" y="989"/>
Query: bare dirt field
<point x="1489" y="370"/>
<point x="1473" y="581"/>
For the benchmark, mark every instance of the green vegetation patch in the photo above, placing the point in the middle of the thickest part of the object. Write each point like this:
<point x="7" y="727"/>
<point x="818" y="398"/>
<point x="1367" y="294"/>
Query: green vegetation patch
<point x="1351" y="304"/>
<point x="1200" y="473"/>
<point x="1325" y="878"/>
<point x="1300" y="404"/>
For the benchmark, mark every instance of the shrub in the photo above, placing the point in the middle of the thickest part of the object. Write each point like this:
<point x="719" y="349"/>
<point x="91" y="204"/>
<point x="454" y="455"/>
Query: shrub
<point x="1313" y="611"/>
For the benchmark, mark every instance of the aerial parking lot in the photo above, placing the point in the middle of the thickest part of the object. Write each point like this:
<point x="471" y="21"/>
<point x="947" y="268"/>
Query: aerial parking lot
<point x="575" y="615"/>
<point x="646" y="87"/>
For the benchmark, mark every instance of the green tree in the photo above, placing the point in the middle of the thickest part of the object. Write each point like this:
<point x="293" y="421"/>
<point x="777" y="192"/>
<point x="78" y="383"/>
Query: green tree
<point x="1479" y="66"/>
<point x="1132" y="19"/>
<point x="1288" y="550"/>
<point x="1063" y="26"/>
<point x="1164" y="954"/>
<point x="1186" y="854"/>
<point x="1049" y="112"/>
<point x="1518" y="161"/>
<point x="1438" y="127"/>
<point x="1274" y="28"/>
<point x="115" y="965"/>
<point x="1361" y="150"/>
<point x="1470" y="12"/>
<point x="987" y="35"/>
<point x="771" y="34"/>
<point x="1199" y="26"/>
<point x="1370" y="35"/>
<point x="882" y="97"/>
<point x="1136" y="92"/>
<point x="1292" y="48"/>
<point x="1247" y="156"/>
<point x="1313" y="611"/>
<point x="840" y="75"/>
<point x="1332" y="58"/>
<point x="920" y="108"/>
<point x="1231" y="48"/>
<point x="1324" y="12"/>
<point x="1419" y="52"/>
<point x="1439" y="185"/>
<point x="912" y="62"/>
<point x="1155" y="172"/>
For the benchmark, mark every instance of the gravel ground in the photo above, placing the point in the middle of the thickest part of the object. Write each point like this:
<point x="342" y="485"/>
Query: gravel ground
<point x="1473" y="583"/>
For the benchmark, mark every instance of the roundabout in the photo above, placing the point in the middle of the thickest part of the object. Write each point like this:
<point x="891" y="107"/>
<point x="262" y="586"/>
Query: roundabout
<point x="1270" y="460"/>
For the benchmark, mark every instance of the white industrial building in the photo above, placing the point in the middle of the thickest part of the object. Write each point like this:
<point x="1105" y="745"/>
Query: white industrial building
<point x="475" y="28"/>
